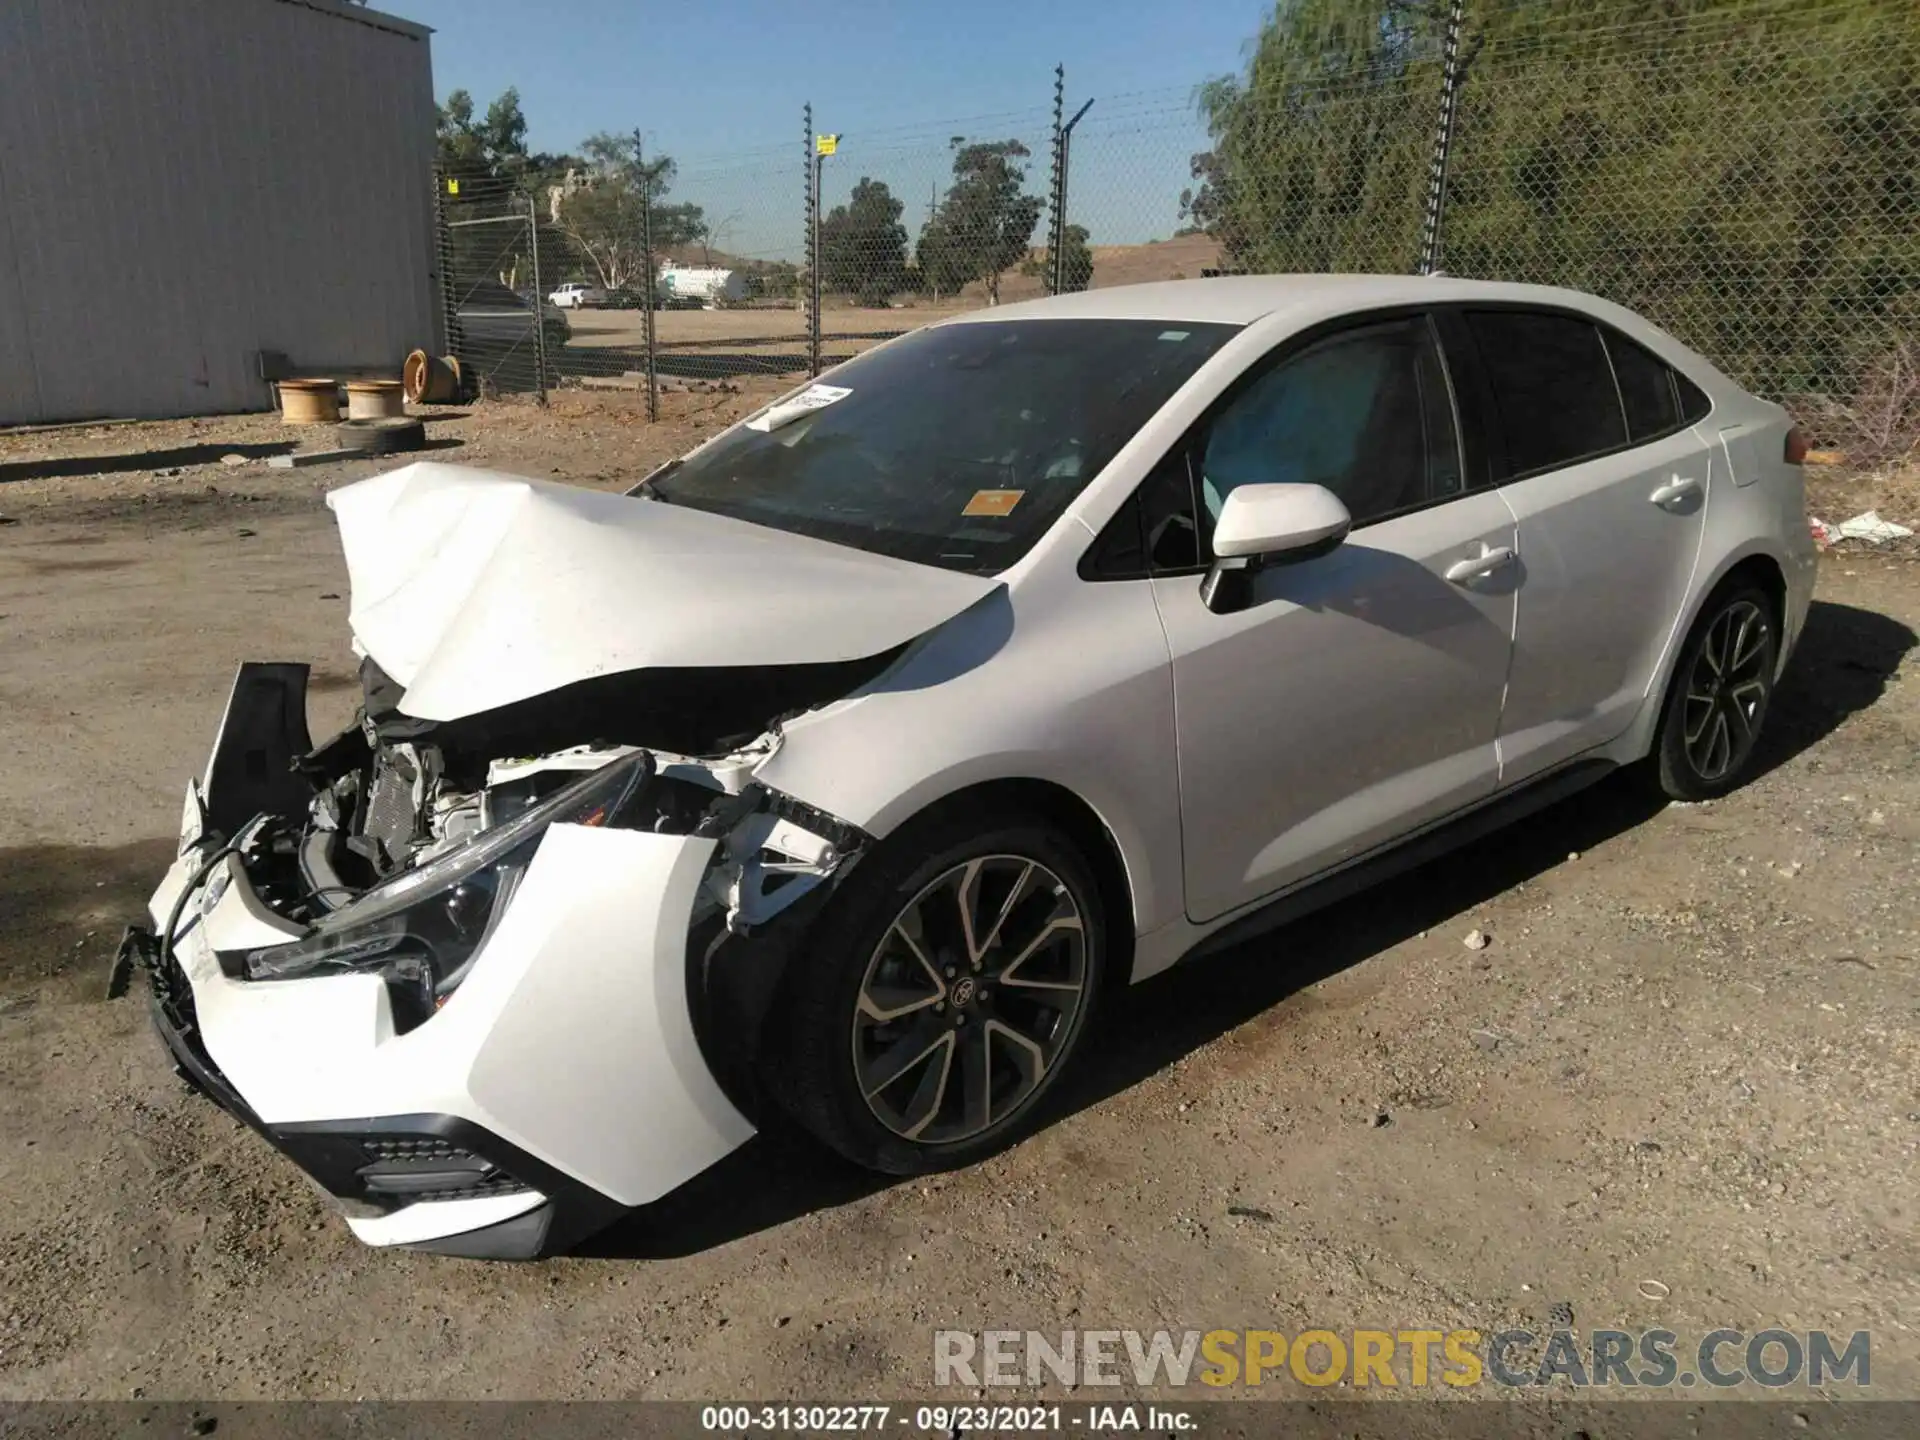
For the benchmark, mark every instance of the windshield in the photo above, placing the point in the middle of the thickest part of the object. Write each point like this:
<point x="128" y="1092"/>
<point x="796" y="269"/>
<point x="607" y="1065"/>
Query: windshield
<point x="954" y="446"/>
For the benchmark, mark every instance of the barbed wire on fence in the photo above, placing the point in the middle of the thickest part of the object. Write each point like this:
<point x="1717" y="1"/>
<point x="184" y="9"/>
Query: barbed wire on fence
<point x="1746" y="173"/>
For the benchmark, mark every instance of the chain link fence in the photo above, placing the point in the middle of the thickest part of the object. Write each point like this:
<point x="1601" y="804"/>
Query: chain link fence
<point x="1744" y="172"/>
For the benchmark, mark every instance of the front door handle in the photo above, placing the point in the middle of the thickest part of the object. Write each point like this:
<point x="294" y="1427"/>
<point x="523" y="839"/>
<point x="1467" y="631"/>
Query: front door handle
<point x="1490" y="559"/>
<point x="1681" y="487"/>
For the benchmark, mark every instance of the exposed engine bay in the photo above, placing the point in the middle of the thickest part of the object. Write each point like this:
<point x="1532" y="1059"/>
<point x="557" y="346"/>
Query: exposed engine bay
<point x="397" y="845"/>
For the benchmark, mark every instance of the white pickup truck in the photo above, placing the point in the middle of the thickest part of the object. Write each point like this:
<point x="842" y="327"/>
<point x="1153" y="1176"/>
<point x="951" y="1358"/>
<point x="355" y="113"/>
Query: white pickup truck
<point x="576" y="295"/>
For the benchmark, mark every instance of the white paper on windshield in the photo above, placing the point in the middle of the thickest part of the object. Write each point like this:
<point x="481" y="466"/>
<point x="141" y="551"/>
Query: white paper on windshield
<point x="814" y="397"/>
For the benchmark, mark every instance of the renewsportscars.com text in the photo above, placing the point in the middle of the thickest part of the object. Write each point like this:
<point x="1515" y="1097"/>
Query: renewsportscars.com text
<point x="1636" y="1359"/>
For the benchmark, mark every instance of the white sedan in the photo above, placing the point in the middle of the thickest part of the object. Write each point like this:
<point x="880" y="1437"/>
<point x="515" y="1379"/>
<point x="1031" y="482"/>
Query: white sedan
<point x="847" y="762"/>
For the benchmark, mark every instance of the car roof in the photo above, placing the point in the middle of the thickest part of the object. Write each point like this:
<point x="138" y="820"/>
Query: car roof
<point x="1243" y="299"/>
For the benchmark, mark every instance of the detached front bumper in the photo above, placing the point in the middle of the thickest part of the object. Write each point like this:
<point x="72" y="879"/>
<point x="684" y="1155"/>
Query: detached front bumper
<point x="561" y="1084"/>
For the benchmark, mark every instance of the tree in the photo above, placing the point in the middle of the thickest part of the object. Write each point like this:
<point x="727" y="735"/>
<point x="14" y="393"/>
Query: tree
<point x="985" y="223"/>
<point x="494" y="147"/>
<point x="773" y="280"/>
<point x="604" y="211"/>
<point x="943" y="268"/>
<point x="1077" y="267"/>
<point x="1638" y="150"/>
<point x="863" y="246"/>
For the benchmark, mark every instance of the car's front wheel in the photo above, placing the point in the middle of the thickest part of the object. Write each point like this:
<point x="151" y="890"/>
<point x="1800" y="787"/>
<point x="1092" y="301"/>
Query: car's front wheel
<point x="947" y="990"/>
<point x="1718" y="698"/>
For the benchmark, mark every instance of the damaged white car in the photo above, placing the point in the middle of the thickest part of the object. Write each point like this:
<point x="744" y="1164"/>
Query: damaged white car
<point x="845" y="763"/>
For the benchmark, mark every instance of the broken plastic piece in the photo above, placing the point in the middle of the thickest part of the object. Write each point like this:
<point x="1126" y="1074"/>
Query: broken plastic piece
<point x="1870" y="527"/>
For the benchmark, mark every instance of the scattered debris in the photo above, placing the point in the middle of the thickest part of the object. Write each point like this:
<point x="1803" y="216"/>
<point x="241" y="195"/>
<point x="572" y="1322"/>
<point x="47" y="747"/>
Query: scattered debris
<point x="1251" y="1212"/>
<point x="329" y="594"/>
<point x="1655" y="1290"/>
<point x="301" y="458"/>
<point x="1868" y="526"/>
<point x="203" y="1425"/>
<point x="672" y="384"/>
<point x="1477" y="940"/>
<point x="1561" y="1314"/>
<point x="235" y="459"/>
<point x="168" y="472"/>
<point x="9" y="519"/>
<point x="245" y="533"/>
<point x="1487" y="1039"/>
<point x="1826" y="457"/>
<point x="1381" y="1119"/>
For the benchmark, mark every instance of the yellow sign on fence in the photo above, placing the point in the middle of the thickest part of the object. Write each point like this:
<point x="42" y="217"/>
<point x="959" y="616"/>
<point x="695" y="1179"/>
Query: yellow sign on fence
<point x="825" y="144"/>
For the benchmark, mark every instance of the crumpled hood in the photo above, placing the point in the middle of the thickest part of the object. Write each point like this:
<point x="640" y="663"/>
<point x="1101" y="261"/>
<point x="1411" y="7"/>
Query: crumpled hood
<point x="475" y="589"/>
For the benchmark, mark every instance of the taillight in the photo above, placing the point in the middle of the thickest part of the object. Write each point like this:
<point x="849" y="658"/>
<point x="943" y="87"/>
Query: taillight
<point x="1796" y="446"/>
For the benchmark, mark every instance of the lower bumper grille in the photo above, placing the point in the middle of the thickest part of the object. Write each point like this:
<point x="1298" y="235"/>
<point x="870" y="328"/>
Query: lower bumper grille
<point x="383" y="1165"/>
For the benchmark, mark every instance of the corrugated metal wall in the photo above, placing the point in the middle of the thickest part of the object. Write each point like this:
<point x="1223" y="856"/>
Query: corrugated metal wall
<point x="184" y="183"/>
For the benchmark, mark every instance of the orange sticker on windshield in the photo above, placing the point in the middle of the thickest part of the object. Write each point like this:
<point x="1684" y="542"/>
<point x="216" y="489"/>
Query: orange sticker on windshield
<point x="993" y="502"/>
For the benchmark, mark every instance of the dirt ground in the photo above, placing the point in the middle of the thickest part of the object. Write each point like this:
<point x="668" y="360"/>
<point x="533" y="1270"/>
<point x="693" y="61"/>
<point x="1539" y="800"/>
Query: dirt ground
<point x="1684" y="1067"/>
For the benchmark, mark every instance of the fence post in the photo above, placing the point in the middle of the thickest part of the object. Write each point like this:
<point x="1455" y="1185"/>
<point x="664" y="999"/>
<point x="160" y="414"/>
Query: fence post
<point x="1059" y="266"/>
<point x="451" y="337"/>
<point x="539" y="299"/>
<point x="650" y="290"/>
<point x="813" y="244"/>
<point x="1055" y="229"/>
<point x="1442" y="142"/>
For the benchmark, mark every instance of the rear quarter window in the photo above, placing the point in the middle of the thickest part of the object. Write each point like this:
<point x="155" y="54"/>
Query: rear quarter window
<point x="1646" y="389"/>
<point x="1695" y="403"/>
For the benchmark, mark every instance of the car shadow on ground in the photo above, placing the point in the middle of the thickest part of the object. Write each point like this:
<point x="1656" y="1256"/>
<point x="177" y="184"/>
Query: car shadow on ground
<point x="179" y="456"/>
<point x="1841" y="668"/>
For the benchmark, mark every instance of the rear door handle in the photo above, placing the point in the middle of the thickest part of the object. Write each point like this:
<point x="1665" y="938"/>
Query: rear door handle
<point x="1490" y="559"/>
<point x="1681" y="487"/>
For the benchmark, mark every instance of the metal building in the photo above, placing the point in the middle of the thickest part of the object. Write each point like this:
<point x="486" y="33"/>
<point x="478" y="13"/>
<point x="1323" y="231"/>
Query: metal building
<point x="188" y="184"/>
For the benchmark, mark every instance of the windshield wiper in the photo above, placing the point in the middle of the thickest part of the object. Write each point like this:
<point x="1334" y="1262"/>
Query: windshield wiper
<point x="645" y="488"/>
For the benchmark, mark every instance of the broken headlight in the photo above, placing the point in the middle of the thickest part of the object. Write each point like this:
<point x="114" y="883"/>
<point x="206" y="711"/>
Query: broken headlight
<point x="421" y="930"/>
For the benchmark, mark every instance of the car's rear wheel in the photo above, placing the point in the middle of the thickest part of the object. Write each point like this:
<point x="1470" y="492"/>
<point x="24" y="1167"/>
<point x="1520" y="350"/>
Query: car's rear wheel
<point x="1718" y="698"/>
<point x="947" y="990"/>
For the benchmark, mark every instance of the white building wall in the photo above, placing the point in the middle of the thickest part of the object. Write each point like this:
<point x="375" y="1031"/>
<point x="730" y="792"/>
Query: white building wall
<point x="185" y="183"/>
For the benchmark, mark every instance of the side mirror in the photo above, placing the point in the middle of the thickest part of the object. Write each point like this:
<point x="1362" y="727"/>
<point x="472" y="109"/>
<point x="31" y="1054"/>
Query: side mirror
<point x="1264" y="525"/>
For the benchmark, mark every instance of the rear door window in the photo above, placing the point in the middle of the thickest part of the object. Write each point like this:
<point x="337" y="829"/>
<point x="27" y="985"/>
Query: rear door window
<point x="1553" y="388"/>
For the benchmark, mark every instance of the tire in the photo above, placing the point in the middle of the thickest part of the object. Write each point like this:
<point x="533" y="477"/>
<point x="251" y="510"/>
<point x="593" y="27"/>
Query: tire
<point x="385" y="436"/>
<point x="1718" y="697"/>
<point x="1020" y="1025"/>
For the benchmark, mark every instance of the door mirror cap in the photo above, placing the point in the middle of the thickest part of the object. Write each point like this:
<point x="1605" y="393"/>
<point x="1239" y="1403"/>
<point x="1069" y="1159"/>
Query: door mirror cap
<point x="1280" y="522"/>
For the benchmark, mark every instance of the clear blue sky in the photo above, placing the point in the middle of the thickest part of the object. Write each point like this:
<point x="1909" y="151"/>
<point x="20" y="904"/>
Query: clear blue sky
<point x="720" y="86"/>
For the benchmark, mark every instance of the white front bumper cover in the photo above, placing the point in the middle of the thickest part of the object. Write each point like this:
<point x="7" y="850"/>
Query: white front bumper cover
<point x="561" y="1080"/>
<point x="559" y="1085"/>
